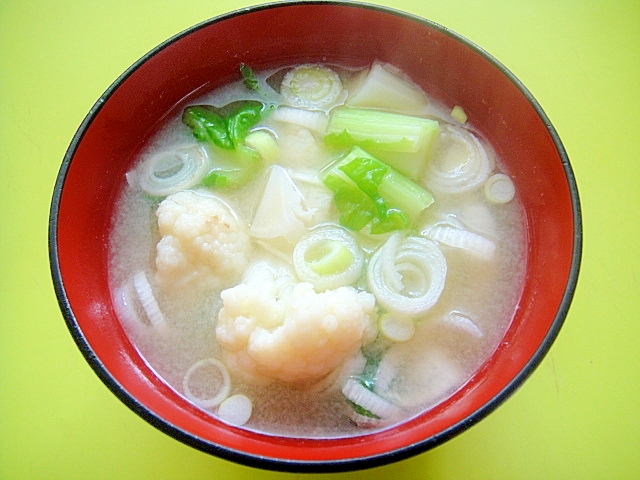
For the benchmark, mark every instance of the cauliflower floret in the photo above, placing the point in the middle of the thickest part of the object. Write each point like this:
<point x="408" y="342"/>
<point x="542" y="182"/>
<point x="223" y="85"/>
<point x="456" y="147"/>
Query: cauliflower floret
<point x="203" y="244"/>
<point x="269" y="333"/>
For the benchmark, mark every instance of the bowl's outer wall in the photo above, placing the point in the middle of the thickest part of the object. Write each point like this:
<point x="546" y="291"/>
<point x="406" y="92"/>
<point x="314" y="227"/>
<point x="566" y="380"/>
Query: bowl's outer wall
<point x="454" y="72"/>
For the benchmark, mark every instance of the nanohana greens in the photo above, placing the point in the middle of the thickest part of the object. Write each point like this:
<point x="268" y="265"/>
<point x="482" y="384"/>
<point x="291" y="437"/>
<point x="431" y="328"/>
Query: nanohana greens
<point x="317" y="250"/>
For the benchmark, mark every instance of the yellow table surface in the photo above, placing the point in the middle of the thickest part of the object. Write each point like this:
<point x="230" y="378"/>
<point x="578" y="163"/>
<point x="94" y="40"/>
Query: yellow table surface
<point x="577" y="417"/>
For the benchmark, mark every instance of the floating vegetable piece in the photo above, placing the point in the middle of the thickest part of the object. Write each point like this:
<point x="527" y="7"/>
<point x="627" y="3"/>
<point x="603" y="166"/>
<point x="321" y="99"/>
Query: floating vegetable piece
<point x="148" y="300"/>
<point x="218" y="376"/>
<point x="311" y="85"/>
<point x="236" y="409"/>
<point x="463" y="322"/>
<point x="380" y="130"/>
<point x="458" y="114"/>
<point x="264" y="142"/>
<point x="418" y="373"/>
<point x="385" y="87"/>
<point x="499" y="188"/>
<point x="407" y="275"/>
<point x="373" y="404"/>
<point x="232" y="168"/>
<point x="458" y="162"/>
<point x="314" y="120"/>
<point x="172" y="170"/>
<point x="224" y="127"/>
<point x="329" y="257"/>
<point x="462" y="239"/>
<point x="280" y="200"/>
<point x="249" y="77"/>
<point x="397" y="328"/>
<point x="368" y="190"/>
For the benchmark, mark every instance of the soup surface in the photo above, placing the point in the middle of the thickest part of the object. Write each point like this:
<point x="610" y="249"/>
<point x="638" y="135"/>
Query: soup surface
<point x="317" y="251"/>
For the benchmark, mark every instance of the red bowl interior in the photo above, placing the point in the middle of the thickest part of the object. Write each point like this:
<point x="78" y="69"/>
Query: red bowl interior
<point x="206" y="56"/>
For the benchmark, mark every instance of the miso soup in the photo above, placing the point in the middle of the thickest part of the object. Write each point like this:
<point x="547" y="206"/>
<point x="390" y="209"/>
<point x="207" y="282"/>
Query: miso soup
<point x="317" y="251"/>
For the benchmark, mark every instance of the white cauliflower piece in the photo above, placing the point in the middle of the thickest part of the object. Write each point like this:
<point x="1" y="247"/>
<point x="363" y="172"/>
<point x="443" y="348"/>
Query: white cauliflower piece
<point x="203" y="244"/>
<point x="268" y="332"/>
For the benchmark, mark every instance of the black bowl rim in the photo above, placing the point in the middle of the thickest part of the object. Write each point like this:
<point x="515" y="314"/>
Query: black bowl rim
<point x="312" y="466"/>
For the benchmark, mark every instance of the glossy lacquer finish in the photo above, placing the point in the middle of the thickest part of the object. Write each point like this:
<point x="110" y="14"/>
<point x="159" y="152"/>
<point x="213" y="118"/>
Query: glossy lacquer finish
<point x="444" y="64"/>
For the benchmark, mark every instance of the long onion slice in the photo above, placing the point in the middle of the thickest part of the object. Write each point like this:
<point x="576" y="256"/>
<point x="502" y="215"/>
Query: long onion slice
<point x="236" y="409"/>
<point x="148" y="300"/>
<point x="362" y="420"/>
<point x="396" y="328"/>
<point x="328" y="257"/>
<point x="459" y="162"/>
<point x="171" y="171"/>
<point x="357" y="393"/>
<point x="314" y="120"/>
<point x="462" y="239"/>
<point x="223" y="386"/>
<point x="463" y="322"/>
<point x="264" y="142"/>
<point x="407" y="275"/>
<point x="311" y="85"/>
<point x="499" y="188"/>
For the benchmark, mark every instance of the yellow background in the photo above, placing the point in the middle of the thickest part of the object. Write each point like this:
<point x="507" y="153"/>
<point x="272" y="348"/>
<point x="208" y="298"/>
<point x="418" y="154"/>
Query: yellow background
<point x="578" y="415"/>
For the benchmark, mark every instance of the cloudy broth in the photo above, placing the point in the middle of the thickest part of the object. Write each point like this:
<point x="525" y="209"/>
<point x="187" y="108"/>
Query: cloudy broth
<point x="412" y="372"/>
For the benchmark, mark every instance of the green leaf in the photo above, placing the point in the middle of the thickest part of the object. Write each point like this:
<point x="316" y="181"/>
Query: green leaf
<point x="356" y="180"/>
<point x="225" y="127"/>
<point x="232" y="168"/>
<point x="355" y="207"/>
<point x="208" y="126"/>
<point x="249" y="77"/>
<point x="243" y="119"/>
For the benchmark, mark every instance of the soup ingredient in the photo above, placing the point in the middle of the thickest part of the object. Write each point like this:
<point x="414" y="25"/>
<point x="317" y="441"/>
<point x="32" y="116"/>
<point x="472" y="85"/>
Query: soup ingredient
<point x="263" y="142"/>
<point x="203" y="245"/>
<point x="224" y="127"/>
<point x="280" y="200"/>
<point x="312" y="86"/>
<point x="379" y="130"/>
<point x="272" y="328"/>
<point x="463" y="322"/>
<point x="386" y="87"/>
<point x="148" y="300"/>
<point x="236" y="409"/>
<point x="368" y="404"/>
<point x="367" y="190"/>
<point x="499" y="188"/>
<point x="231" y="168"/>
<point x="328" y="257"/>
<point x="249" y="77"/>
<point x="216" y="374"/>
<point x="458" y="114"/>
<point x="458" y="163"/>
<point x="313" y="120"/>
<point x="463" y="239"/>
<point x="397" y="328"/>
<point x="171" y="170"/>
<point x="407" y="274"/>
<point x="412" y="373"/>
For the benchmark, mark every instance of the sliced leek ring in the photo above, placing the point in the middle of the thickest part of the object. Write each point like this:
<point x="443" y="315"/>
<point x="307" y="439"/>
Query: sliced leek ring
<point x="459" y="163"/>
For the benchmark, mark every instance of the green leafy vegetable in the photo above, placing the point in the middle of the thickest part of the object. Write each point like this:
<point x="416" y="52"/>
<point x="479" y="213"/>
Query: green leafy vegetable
<point x="249" y="77"/>
<point x="232" y="168"/>
<point x="224" y="127"/>
<point x="361" y="410"/>
<point x="380" y="130"/>
<point x="367" y="190"/>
